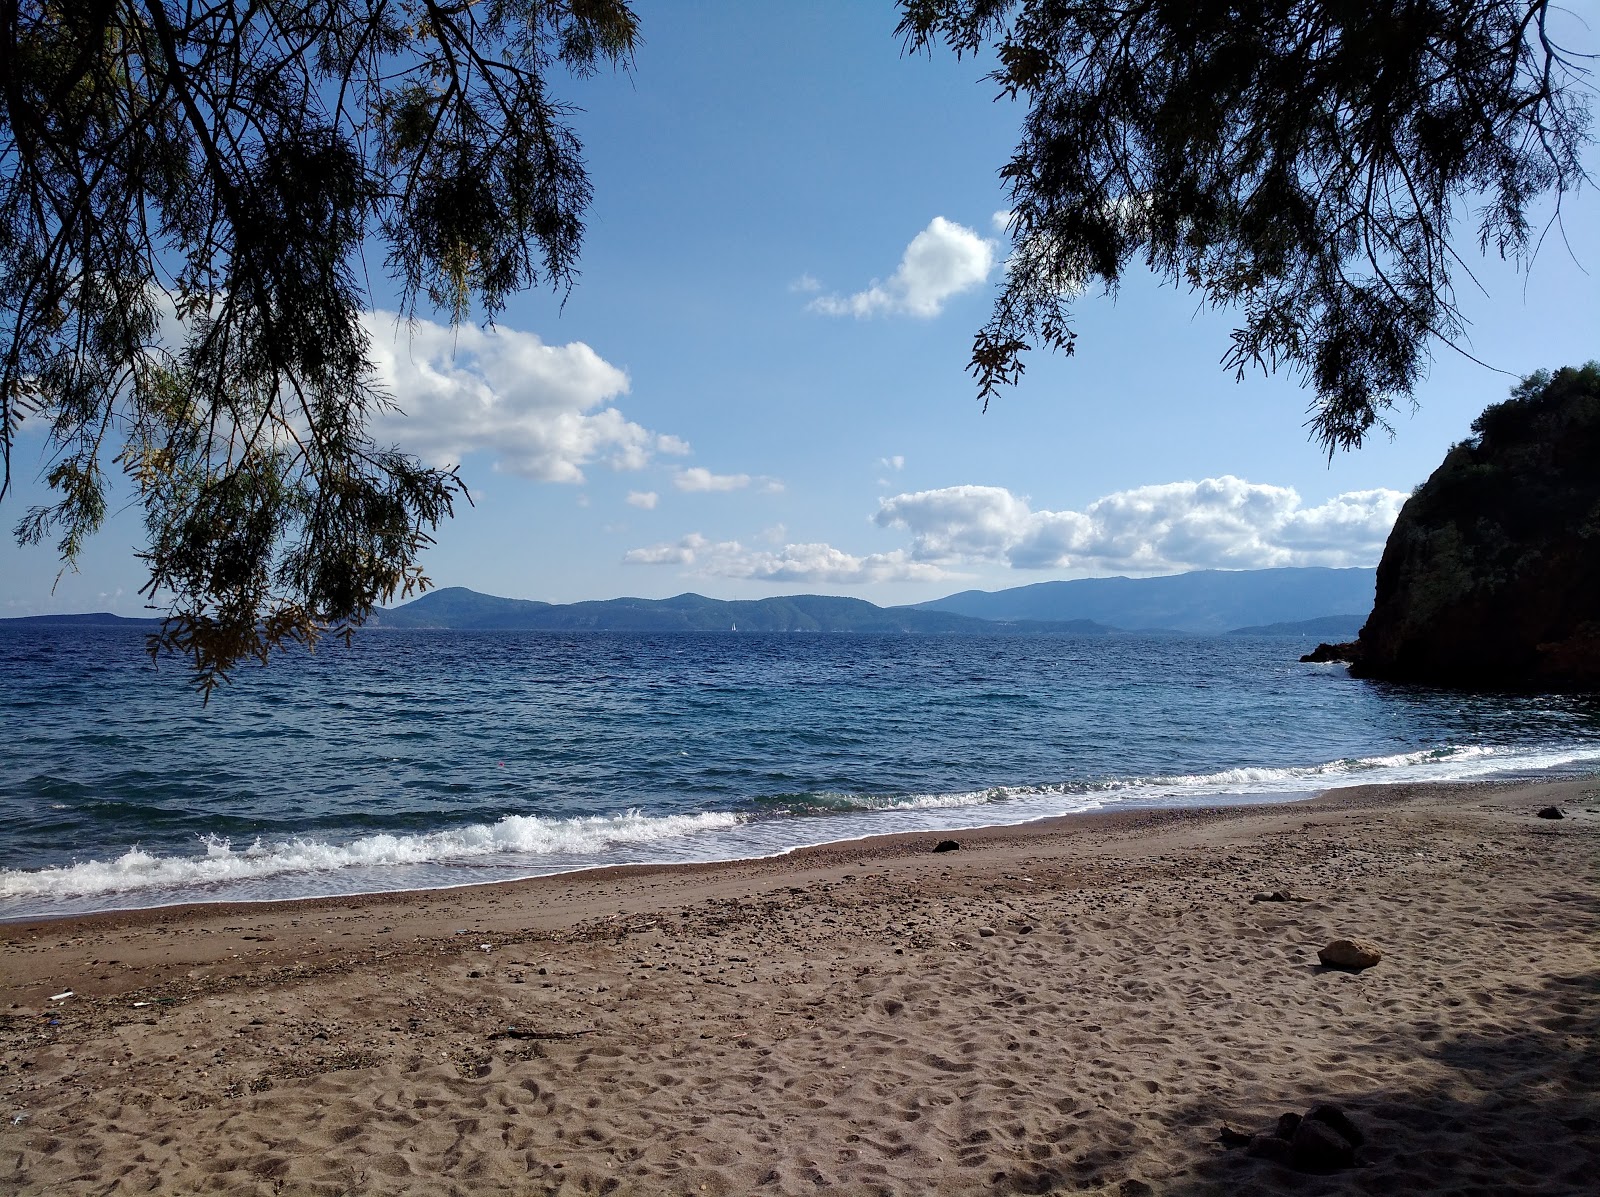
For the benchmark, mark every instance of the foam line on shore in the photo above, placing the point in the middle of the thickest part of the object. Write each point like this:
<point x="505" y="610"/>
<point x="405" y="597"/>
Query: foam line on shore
<point x="528" y="845"/>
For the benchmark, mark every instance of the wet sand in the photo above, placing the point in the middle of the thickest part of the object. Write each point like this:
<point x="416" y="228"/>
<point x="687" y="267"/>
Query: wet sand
<point x="1073" y="1006"/>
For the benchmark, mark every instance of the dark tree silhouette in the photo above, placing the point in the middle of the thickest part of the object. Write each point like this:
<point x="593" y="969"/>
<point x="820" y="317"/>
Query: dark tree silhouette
<point x="1306" y="161"/>
<point x="185" y="194"/>
<point x="187" y="191"/>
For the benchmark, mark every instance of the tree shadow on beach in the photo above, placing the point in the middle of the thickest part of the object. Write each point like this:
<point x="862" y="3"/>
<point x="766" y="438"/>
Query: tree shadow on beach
<point x="1513" y="1112"/>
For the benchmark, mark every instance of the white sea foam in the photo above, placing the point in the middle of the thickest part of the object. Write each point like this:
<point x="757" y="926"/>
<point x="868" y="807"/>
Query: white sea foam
<point x="1439" y="764"/>
<point x="524" y="845"/>
<point x="222" y="863"/>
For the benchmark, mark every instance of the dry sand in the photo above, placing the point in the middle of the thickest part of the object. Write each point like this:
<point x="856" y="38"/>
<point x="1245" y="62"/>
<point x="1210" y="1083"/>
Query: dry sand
<point x="1072" y="1006"/>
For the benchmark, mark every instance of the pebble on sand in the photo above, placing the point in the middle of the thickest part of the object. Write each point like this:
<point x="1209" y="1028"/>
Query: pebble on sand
<point x="1323" y="1140"/>
<point x="1350" y="953"/>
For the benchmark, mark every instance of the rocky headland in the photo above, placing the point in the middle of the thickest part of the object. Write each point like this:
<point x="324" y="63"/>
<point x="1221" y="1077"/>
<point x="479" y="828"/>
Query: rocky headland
<point x="1491" y="576"/>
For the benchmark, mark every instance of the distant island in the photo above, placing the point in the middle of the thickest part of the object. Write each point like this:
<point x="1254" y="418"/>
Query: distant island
<point x="1206" y="601"/>
<point x="1262" y="602"/>
<point x="460" y="609"/>
<point x="93" y="619"/>
<point x="1329" y="627"/>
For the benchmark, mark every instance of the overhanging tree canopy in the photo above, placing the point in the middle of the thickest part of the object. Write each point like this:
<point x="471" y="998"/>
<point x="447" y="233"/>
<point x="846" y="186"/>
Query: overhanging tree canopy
<point x="185" y="193"/>
<point x="187" y="190"/>
<point x="1308" y="161"/>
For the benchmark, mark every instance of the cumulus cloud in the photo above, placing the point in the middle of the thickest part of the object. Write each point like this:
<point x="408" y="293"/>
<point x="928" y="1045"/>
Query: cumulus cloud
<point x="698" y="478"/>
<point x="543" y="411"/>
<point x="645" y="499"/>
<point x="808" y="564"/>
<point x="943" y="260"/>
<point x="805" y="285"/>
<point x="1216" y="523"/>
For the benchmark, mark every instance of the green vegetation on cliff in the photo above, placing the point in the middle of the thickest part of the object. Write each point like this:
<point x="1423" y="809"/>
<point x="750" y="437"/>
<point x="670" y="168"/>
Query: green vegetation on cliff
<point x="1491" y="576"/>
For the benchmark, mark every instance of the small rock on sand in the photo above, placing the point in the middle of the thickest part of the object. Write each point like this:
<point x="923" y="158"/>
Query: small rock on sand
<point x="1340" y="1121"/>
<point x="1317" y="1147"/>
<point x="947" y="846"/>
<point x="1350" y="953"/>
<point x="1551" y="812"/>
<point x="1322" y="1140"/>
<point x="1270" y="1147"/>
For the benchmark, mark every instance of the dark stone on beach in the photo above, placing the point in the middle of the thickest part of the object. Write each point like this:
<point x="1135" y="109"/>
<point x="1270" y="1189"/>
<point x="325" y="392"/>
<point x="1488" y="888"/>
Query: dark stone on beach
<point x="1317" y="1147"/>
<point x="947" y="846"/>
<point x="1270" y="1147"/>
<point x="1231" y="1138"/>
<point x="1322" y="1140"/>
<point x="1353" y="954"/>
<point x="1551" y="812"/>
<point x="1134" y="1187"/>
<point x="1331" y="652"/>
<point x="985" y="932"/>
<point x="1340" y="1121"/>
<point x="1277" y="895"/>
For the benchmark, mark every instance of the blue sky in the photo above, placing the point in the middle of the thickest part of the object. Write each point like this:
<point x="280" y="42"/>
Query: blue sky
<point x="758" y="385"/>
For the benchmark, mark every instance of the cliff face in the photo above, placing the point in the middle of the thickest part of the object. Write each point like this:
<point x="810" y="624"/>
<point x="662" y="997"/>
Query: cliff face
<point x="1491" y="577"/>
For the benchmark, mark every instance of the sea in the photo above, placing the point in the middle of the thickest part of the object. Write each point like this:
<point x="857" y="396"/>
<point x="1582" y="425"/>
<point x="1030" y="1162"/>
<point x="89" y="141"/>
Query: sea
<point x="416" y="760"/>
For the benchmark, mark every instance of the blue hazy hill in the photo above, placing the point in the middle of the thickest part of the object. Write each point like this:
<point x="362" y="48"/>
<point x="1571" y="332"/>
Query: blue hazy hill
<point x="93" y="619"/>
<point x="460" y="609"/>
<point x="1206" y="601"/>
<point x="1332" y="628"/>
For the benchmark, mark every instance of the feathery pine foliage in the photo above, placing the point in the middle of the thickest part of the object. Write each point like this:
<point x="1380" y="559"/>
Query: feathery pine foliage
<point x="185" y="193"/>
<point x="1306" y="161"/>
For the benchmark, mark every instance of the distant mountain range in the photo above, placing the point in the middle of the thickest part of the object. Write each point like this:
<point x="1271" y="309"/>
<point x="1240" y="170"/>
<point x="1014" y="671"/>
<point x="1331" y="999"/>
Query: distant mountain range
<point x="1329" y="627"/>
<point x="95" y="619"/>
<point x="1264" y="602"/>
<point x="458" y="608"/>
<point x="1208" y="601"/>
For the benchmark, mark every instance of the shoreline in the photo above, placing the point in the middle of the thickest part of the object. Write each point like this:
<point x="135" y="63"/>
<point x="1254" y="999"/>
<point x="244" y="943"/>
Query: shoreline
<point x="701" y="1027"/>
<point x="943" y="821"/>
<point x="890" y="843"/>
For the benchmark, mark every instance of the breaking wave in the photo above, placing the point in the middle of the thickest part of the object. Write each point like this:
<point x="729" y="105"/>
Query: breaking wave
<point x="525" y="845"/>
<point x="222" y="863"/>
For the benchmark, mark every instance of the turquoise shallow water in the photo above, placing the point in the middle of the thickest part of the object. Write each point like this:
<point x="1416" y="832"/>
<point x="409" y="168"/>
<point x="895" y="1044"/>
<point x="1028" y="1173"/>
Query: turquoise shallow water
<point x="421" y="759"/>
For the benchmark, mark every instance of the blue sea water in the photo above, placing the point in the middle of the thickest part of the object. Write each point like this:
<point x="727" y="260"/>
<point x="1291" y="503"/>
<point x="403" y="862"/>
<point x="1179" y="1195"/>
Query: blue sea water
<point x="422" y="759"/>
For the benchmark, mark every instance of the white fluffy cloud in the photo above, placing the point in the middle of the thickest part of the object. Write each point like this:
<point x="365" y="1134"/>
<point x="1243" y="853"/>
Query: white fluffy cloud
<point x="944" y="259"/>
<point x="808" y="564"/>
<point x="645" y="499"/>
<point x="543" y="411"/>
<point x="698" y="478"/>
<point x="1216" y="523"/>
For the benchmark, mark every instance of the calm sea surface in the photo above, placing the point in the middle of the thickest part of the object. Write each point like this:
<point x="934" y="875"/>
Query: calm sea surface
<point x="421" y="759"/>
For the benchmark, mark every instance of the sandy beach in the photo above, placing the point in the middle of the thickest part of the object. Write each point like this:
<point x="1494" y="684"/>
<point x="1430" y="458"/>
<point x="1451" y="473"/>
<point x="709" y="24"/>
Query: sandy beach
<point x="1074" y="1006"/>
